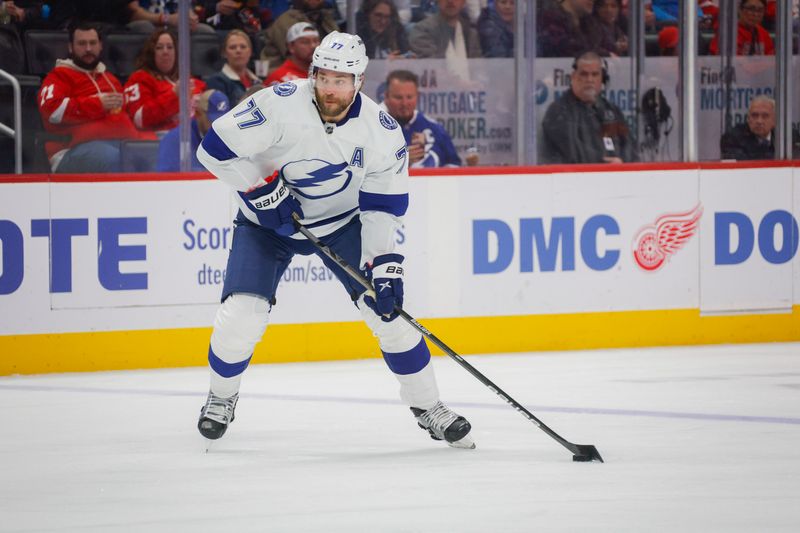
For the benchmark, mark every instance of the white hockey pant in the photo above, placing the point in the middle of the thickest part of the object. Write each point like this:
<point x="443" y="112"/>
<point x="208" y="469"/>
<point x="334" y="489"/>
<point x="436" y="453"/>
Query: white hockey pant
<point x="242" y="319"/>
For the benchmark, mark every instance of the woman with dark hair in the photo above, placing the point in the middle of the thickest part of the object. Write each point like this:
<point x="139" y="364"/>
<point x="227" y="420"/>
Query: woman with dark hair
<point x="607" y="28"/>
<point x="751" y="37"/>
<point x="496" y="29"/>
<point x="234" y="78"/>
<point x="151" y="94"/>
<point x="378" y="25"/>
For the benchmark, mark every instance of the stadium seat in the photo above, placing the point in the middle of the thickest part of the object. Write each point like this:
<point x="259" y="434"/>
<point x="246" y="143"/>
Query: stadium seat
<point x="122" y="49"/>
<point x="139" y="156"/>
<point x="43" y="48"/>
<point x="12" y="55"/>
<point x="206" y="57"/>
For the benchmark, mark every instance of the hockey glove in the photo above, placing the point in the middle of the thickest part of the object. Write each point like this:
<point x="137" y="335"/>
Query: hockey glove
<point x="273" y="204"/>
<point x="386" y="275"/>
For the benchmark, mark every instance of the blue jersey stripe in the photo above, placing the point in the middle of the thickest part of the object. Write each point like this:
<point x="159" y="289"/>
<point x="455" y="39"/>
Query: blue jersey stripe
<point x="409" y="362"/>
<point x="394" y="204"/>
<point x="226" y="370"/>
<point x="216" y="147"/>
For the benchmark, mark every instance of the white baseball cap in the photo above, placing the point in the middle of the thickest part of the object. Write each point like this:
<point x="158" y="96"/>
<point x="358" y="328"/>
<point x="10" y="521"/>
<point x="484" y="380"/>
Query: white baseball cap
<point x="301" y="29"/>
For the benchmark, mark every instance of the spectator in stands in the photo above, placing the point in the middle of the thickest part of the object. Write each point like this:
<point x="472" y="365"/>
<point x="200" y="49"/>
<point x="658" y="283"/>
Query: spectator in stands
<point x="423" y="8"/>
<point x="582" y="126"/>
<point x="668" y="41"/>
<point x="235" y="78"/>
<point x="151" y="93"/>
<point x="429" y="145"/>
<point x="106" y="15"/>
<point x="446" y="34"/>
<point x="378" y="25"/>
<point x="24" y="14"/>
<point x="496" y="29"/>
<point x="665" y="11"/>
<point x="245" y="15"/>
<point x="751" y="37"/>
<point x="313" y="11"/>
<point x="211" y="105"/>
<point x="755" y="138"/>
<point x="561" y="28"/>
<point x="649" y="16"/>
<point x="83" y="101"/>
<point x="607" y="28"/>
<point x="151" y="14"/>
<point x="301" y="40"/>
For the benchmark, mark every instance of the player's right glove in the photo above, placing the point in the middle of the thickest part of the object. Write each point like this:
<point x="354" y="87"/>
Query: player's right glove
<point x="386" y="275"/>
<point x="273" y="204"/>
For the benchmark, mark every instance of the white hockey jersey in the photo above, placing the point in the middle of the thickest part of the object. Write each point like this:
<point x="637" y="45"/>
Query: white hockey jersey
<point x="360" y="167"/>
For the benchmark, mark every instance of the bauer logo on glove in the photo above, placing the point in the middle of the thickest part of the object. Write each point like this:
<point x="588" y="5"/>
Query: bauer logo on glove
<point x="269" y="201"/>
<point x="273" y="204"/>
<point x="386" y="275"/>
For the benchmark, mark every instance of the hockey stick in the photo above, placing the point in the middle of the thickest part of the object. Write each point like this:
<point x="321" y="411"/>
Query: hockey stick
<point x="581" y="452"/>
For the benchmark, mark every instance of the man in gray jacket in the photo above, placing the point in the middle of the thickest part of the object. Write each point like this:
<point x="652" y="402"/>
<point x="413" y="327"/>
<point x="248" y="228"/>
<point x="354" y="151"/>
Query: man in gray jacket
<point x="582" y="126"/>
<point x="446" y="34"/>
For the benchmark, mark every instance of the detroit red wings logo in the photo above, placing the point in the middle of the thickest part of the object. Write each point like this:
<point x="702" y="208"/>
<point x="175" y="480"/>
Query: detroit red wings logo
<point x="653" y="245"/>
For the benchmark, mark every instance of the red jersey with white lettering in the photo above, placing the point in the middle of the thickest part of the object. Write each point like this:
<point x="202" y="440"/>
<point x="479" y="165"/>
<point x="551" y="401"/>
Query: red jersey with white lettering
<point x="70" y="105"/>
<point x="152" y="102"/>
<point x="287" y="72"/>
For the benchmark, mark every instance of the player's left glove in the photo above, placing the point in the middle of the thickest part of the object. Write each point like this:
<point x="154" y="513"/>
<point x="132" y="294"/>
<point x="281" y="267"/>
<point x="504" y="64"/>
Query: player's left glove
<point x="273" y="204"/>
<point x="386" y="275"/>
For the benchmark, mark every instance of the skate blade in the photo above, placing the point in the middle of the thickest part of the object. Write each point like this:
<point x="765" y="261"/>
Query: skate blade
<point x="465" y="442"/>
<point x="207" y="444"/>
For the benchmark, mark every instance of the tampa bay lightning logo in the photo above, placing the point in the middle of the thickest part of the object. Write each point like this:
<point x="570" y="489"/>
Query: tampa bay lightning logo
<point x="315" y="178"/>
<point x="284" y="89"/>
<point x="386" y="121"/>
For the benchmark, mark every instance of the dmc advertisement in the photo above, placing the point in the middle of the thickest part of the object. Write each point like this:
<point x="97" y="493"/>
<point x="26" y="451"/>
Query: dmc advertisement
<point x="152" y="254"/>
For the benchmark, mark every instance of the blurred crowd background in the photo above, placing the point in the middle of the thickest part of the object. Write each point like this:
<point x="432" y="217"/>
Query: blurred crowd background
<point x="473" y="82"/>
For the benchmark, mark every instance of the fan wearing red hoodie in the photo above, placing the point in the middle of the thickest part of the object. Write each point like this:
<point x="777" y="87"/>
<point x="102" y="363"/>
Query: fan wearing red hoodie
<point x="751" y="37"/>
<point x="151" y="93"/>
<point x="81" y="100"/>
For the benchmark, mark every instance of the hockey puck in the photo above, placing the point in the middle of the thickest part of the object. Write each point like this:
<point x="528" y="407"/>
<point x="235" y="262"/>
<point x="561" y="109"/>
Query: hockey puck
<point x="582" y="458"/>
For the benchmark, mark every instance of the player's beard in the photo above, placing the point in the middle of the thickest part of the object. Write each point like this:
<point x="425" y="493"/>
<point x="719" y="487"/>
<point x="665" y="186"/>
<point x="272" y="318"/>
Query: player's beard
<point x="86" y="65"/>
<point x="331" y="108"/>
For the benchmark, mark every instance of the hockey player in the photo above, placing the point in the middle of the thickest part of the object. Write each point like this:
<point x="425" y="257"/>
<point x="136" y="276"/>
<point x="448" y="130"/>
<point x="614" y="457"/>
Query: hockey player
<point x="319" y="148"/>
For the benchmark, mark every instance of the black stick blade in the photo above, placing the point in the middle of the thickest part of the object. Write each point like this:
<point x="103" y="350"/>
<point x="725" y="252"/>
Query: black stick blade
<point x="586" y="453"/>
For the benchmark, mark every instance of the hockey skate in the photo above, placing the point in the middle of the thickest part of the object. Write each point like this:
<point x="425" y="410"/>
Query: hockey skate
<point x="444" y="424"/>
<point x="216" y="415"/>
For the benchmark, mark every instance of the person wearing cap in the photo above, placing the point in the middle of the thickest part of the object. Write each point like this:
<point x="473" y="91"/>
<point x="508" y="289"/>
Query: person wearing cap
<point x="301" y="40"/>
<point x="668" y="41"/>
<point x="211" y="105"/>
<point x="275" y="49"/>
<point x="234" y="78"/>
<point x="321" y="153"/>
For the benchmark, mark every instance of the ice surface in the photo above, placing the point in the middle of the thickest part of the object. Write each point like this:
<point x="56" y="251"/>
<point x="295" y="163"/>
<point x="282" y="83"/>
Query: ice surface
<point x="695" y="439"/>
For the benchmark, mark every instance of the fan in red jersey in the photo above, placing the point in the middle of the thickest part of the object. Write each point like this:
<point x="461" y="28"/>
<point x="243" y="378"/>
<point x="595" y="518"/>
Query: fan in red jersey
<point x="151" y="93"/>
<point x="82" y="101"/>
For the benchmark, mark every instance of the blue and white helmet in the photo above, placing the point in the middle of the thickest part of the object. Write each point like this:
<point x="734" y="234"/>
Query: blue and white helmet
<point x="341" y="52"/>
